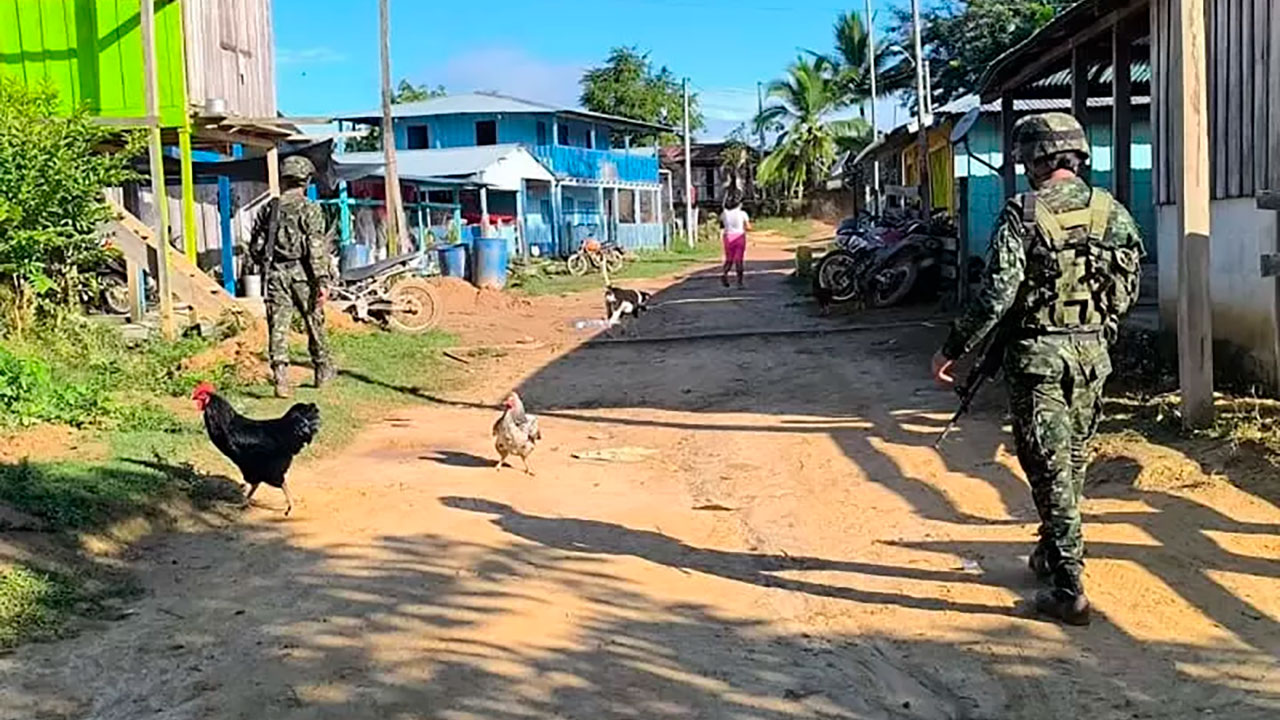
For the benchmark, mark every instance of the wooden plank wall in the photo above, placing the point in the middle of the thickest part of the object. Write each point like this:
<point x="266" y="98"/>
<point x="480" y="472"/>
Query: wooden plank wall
<point x="231" y="55"/>
<point x="1243" y="38"/>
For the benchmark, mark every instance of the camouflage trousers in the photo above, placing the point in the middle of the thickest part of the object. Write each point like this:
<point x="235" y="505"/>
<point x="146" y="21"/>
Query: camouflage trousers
<point x="289" y="289"/>
<point x="1055" y="394"/>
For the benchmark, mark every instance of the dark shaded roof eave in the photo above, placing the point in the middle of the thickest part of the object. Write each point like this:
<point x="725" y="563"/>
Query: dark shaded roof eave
<point x="1064" y="23"/>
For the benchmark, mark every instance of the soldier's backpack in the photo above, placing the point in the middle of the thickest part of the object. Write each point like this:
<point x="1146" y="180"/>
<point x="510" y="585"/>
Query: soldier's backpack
<point x="1074" y="269"/>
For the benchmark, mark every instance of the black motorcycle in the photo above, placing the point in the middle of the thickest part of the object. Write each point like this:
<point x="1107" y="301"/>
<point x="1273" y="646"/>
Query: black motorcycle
<point x="884" y="265"/>
<point x="107" y="291"/>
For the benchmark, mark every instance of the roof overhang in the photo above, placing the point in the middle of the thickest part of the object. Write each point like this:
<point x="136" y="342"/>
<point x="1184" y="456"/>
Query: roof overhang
<point x="1051" y="47"/>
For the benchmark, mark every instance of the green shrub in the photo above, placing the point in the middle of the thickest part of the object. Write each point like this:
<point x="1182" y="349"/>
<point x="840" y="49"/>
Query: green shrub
<point x="32" y="604"/>
<point x="53" y="168"/>
<point x="30" y="394"/>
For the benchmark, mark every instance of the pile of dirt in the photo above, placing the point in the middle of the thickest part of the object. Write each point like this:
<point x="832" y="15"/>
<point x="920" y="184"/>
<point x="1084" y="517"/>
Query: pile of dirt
<point x="461" y="297"/>
<point x="1127" y="461"/>
<point x="244" y="352"/>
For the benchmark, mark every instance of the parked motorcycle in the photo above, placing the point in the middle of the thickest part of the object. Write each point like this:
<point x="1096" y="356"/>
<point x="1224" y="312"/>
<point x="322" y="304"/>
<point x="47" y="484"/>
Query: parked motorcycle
<point x="391" y="292"/>
<point x="597" y="255"/>
<point x="108" y="291"/>
<point x="884" y="265"/>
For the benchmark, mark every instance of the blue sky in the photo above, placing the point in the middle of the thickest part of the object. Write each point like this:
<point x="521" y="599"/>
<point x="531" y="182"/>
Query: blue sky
<point x="327" y="50"/>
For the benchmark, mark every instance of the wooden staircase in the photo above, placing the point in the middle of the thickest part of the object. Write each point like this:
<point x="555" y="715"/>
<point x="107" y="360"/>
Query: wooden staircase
<point x="195" y="294"/>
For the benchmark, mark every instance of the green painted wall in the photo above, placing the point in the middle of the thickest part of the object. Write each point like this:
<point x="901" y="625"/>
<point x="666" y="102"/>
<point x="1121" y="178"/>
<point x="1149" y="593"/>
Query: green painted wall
<point x="92" y="51"/>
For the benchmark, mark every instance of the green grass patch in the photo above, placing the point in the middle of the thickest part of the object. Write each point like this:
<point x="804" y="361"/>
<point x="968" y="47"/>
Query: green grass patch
<point x="798" y="228"/>
<point x="33" y="604"/>
<point x="645" y="264"/>
<point x="152" y="447"/>
<point x="124" y="397"/>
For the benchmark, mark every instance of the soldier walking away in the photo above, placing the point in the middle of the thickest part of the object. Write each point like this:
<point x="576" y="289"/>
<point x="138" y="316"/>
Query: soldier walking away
<point x="1063" y="269"/>
<point x="290" y="242"/>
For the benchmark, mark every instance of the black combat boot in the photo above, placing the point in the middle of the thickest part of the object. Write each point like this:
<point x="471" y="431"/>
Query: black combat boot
<point x="325" y="372"/>
<point x="1066" y="601"/>
<point x="280" y="376"/>
<point x="1039" y="563"/>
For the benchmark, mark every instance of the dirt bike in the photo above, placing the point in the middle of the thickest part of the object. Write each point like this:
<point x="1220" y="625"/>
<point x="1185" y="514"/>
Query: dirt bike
<point x="108" y="292"/>
<point x="597" y="255"/>
<point x="391" y="292"/>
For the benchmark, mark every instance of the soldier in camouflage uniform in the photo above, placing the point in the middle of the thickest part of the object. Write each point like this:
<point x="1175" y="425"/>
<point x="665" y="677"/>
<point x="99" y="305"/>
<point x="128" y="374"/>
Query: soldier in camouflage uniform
<point x="291" y="243"/>
<point x="1063" y="269"/>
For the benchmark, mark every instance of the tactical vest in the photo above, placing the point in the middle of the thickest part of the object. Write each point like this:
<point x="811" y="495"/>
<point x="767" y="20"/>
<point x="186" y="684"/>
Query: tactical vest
<point x="1072" y="267"/>
<point x="290" y="242"/>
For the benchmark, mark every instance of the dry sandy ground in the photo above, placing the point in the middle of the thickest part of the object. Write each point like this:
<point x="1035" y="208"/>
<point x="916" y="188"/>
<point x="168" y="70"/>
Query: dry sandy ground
<point x="786" y="544"/>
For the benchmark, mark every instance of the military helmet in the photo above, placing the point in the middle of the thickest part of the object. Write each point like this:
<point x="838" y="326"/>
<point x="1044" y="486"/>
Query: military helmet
<point x="1045" y="134"/>
<point x="297" y="167"/>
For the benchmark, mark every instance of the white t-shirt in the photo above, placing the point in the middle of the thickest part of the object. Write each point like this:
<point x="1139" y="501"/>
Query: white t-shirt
<point x="734" y="221"/>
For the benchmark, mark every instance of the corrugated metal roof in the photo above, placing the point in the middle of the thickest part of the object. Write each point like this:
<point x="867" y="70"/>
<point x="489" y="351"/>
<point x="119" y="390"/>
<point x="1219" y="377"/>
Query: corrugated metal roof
<point x="489" y="103"/>
<point x="968" y="102"/>
<point x="457" y="163"/>
<point x="1099" y="74"/>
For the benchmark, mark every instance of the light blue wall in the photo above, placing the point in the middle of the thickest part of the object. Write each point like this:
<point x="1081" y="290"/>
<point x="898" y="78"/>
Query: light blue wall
<point x="446" y="131"/>
<point x="986" y="190"/>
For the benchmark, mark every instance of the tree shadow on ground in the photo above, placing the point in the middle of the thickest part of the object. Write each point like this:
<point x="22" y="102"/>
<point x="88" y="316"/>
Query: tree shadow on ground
<point x="535" y="625"/>
<point x="871" y="394"/>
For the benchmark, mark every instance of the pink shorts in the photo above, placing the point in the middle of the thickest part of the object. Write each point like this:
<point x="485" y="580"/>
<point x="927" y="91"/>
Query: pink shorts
<point x="735" y="247"/>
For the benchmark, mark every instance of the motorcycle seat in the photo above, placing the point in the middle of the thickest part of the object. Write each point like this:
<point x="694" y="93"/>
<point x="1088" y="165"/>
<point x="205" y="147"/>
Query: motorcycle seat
<point x="375" y="269"/>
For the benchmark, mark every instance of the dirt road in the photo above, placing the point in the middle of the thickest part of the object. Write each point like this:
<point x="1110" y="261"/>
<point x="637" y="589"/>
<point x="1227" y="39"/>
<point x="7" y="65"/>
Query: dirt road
<point x="784" y="544"/>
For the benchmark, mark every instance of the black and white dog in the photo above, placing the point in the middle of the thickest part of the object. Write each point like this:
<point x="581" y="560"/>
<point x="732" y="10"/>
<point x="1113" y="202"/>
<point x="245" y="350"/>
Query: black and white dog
<point x="621" y="302"/>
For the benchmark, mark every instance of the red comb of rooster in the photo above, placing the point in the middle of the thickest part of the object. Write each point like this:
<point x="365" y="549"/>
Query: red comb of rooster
<point x="203" y="388"/>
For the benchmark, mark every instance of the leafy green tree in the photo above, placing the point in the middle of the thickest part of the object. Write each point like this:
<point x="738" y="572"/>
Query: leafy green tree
<point x="53" y="170"/>
<point x="628" y="86"/>
<point x="963" y="37"/>
<point x="405" y="92"/>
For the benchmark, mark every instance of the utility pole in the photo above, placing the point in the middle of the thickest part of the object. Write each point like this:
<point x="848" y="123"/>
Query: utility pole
<point x="875" y="128"/>
<point x="760" y="111"/>
<point x="926" y="200"/>
<point x="690" y="224"/>
<point x="147" y="23"/>
<point x="395" y="223"/>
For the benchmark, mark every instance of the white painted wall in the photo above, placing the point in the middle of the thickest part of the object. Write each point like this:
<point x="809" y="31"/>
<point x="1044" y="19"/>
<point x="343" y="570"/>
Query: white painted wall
<point x="1244" y="302"/>
<point x="513" y="167"/>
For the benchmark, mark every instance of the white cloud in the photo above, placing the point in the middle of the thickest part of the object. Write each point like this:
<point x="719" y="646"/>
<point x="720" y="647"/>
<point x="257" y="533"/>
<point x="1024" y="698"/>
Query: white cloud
<point x="509" y="71"/>
<point x="309" y="56"/>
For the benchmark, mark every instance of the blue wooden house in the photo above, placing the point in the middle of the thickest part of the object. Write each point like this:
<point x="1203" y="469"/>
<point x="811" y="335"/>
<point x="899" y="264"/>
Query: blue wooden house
<point x="585" y="179"/>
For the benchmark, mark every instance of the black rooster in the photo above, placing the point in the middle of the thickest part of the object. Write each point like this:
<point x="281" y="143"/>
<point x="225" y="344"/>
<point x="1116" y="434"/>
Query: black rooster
<point x="262" y="449"/>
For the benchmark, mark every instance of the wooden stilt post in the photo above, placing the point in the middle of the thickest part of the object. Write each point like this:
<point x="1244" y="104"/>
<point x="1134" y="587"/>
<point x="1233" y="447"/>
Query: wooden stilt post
<point x="1009" y="169"/>
<point x="1191" y="155"/>
<point x="189" y="231"/>
<point x="1121" y="114"/>
<point x="147" y="25"/>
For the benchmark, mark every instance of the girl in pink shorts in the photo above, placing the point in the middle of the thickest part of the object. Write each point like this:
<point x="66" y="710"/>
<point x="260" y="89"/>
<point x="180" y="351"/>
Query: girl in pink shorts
<point x="735" y="222"/>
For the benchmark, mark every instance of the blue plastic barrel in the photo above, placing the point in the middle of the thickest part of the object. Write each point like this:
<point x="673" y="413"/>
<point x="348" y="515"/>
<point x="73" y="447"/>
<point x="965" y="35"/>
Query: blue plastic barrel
<point x="453" y="261"/>
<point x="354" y="256"/>
<point x="491" y="256"/>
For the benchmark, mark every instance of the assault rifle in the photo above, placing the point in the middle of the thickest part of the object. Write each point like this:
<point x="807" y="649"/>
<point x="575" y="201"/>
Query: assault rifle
<point x="987" y="367"/>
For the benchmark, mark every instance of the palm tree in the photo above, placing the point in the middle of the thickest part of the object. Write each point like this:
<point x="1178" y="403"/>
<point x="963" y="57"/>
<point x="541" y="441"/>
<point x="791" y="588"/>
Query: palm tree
<point x="803" y="102"/>
<point x="849" y="65"/>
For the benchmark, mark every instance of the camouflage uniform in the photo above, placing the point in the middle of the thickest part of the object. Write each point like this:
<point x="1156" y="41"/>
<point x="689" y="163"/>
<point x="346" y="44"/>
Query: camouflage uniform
<point x="1064" y="261"/>
<point x="297" y="271"/>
